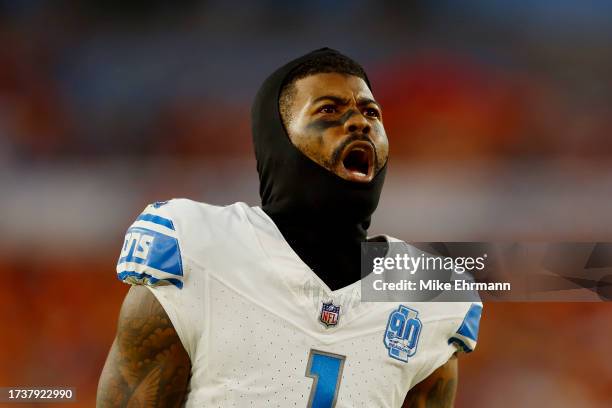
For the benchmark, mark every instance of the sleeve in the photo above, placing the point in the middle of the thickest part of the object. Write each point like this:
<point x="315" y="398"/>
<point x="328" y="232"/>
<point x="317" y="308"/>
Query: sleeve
<point x="466" y="336"/>
<point x="151" y="254"/>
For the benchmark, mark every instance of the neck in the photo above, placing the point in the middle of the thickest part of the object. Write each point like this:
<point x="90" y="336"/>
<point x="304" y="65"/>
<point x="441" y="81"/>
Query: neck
<point x="330" y="247"/>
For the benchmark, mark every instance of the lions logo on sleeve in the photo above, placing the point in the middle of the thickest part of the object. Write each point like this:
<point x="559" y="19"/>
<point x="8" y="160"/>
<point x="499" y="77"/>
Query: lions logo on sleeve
<point x="151" y="253"/>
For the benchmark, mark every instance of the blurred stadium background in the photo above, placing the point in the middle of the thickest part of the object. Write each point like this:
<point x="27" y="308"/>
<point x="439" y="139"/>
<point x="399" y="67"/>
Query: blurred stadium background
<point x="499" y="116"/>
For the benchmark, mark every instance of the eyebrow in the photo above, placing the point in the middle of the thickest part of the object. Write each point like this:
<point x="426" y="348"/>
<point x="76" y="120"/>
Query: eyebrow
<point x="343" y="101"/>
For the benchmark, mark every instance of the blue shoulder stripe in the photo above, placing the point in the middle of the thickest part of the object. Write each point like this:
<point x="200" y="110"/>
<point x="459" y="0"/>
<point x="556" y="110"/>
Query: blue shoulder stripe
<point x="471" y="322"/>
<point x="156" y="219"/>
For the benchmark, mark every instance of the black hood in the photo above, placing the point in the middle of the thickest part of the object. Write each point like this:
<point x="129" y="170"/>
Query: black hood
<point x="311" y="205"/>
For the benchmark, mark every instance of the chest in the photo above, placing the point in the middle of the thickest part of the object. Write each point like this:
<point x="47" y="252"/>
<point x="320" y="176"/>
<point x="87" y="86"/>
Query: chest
<point x="252" y="350"/>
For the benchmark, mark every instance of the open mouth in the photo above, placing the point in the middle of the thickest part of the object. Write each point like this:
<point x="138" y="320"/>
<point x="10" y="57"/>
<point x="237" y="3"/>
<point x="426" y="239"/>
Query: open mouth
<point x="358" y="161"/>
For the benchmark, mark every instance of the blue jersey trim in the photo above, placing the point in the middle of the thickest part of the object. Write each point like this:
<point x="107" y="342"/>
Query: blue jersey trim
<point x="122" y="276"/>
<point x="471" y="322"/>
<point x="461" y="344"/>
<point x="156" y="219"/>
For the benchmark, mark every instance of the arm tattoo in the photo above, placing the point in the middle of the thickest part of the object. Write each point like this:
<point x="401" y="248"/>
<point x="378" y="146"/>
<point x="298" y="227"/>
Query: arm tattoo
<point x="437" y="390"/>
<point x="147" y="365"/>
<point x="442" y="394"/>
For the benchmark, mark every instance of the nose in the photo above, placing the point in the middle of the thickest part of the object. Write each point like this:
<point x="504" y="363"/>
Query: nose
<point x="357" y="123"/>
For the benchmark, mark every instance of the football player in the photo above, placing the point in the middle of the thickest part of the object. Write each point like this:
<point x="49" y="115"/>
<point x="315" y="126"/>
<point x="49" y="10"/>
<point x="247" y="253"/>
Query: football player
<point x="240" y="306"/>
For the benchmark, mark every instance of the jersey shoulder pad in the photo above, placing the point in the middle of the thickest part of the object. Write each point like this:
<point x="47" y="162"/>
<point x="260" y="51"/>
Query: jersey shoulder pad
<point x="466" y="336"/>
<point x="151" y="254"/>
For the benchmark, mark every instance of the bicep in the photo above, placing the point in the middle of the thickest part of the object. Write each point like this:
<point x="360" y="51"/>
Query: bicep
<point x="436" y="391"/>
<point x="147" y="364"/>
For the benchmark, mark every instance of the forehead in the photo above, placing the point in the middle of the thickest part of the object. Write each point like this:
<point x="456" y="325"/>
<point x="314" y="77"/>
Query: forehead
<point x="341" y="85"/>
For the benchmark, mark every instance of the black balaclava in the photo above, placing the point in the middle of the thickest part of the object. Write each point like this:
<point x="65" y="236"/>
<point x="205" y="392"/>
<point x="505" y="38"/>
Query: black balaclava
<point x="323" y="217"/>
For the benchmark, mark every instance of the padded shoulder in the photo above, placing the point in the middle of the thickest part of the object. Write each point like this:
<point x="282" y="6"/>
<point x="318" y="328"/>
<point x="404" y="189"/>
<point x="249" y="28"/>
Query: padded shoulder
<point x="151" y="253"/>
<point x="167" y="233"/>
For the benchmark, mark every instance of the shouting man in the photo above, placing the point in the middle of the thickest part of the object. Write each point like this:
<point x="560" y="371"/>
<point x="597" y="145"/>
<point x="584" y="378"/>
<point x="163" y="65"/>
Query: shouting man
<point x="260" y="306"/>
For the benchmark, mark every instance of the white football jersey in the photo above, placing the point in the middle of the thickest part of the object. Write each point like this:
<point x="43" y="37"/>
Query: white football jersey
<point x="260" y="327"/>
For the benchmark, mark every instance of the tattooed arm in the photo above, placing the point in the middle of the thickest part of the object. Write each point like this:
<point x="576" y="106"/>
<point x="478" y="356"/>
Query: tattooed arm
<point x="147" y="365"/>
<point x="437" y="390"/>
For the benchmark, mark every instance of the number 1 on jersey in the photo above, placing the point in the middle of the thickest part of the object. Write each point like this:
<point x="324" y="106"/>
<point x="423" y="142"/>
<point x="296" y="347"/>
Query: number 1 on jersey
<point x="326" y="371"/>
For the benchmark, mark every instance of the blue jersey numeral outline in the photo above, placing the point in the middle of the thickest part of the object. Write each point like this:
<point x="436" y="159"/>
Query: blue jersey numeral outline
<point x="326" y="371"/>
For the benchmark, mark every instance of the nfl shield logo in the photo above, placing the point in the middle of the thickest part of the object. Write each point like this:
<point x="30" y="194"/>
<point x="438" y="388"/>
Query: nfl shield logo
<point x="329" y="314"/>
